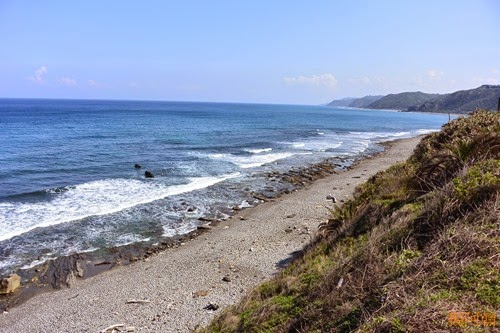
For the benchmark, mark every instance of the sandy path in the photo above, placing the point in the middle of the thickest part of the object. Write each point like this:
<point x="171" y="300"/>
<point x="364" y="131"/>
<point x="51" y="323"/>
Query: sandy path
<point x="247" y="248"/>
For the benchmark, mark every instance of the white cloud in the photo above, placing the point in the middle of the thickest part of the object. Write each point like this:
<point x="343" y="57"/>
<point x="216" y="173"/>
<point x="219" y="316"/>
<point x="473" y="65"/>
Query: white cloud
<point x="325" y="80"/>
<point x="92" y="83"/>
<point x="359" y="80"/>
<point x="39" y="73"/>
<point x="67" y="81"/>
<point x="435" y="73"/>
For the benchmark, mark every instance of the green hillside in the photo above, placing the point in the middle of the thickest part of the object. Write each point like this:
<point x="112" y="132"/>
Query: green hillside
<point x="464" y="101"/>
<point x="485" y="97"/>
<point x="402" y="101"/>
<point x="416" y="249"/>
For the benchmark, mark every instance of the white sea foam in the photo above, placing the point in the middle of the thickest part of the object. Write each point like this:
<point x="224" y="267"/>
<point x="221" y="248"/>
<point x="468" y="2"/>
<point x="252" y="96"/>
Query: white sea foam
<point x="245" y="204"/>
<point x="253" y="161"/>
<point x="399" y="134"/>
<point x="170" y="231"/>
<point x="91" y="199"/>
<point x="37" y="262"/>
<point x="258" y="151"/>
<point x="318" y="145"/>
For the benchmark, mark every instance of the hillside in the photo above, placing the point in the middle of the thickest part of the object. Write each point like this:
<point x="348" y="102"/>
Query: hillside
<point x="464" y="101"/>
<point x="355" y="102"/>
<point x="415" y="250"/>
<point x="364" y="101"/>
<point x="485" y="97"/>
<point x="344" y="102"/>
<point x="402" y="101"/>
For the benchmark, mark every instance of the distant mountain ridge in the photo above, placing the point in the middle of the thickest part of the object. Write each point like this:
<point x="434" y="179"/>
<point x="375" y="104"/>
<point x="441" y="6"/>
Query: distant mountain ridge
<point x="463" y="101"/>
<point x="352" y="102"/>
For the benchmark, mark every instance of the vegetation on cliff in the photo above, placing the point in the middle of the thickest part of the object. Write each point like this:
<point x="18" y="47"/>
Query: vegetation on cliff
<point x="418" y="243"/>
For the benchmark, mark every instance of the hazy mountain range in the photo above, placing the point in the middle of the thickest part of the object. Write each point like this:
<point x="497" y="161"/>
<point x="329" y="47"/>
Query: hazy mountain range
<point x="463" y="101"/>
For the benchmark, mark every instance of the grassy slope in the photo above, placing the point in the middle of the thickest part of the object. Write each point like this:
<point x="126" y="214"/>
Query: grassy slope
<point x="419" y="240"/>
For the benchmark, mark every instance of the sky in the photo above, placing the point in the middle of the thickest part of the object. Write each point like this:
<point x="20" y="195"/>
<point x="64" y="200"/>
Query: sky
<point x="273" y="51"/>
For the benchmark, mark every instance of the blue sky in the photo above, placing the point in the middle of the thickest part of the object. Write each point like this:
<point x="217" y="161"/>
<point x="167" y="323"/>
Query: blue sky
<point x="297" y="52"/>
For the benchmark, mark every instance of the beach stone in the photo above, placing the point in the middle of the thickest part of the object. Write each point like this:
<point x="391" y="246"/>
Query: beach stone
<point x="148" y="174"/>
<point x="211" y="307"/>
<point x="226" y="279"/>
<point x="200" y="293"/>
<point x="331" y="197"/>
<point x="10" y="284"/>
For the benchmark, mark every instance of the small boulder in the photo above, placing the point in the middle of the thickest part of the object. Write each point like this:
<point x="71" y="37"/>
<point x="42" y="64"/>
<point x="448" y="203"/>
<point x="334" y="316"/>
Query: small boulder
<point x="211" y="307"/>
<point x="200" y="293"/>
<point x="10" y="284"/>
<point x="137" y="166"/>
<point x="149" y="174"/>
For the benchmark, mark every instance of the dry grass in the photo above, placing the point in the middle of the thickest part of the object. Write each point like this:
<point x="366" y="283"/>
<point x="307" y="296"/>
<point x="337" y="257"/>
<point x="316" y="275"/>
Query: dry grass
<point x="418" y="241"/>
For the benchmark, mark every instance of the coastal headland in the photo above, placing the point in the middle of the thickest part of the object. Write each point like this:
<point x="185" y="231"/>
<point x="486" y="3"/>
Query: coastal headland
<point x="183" y="287"/>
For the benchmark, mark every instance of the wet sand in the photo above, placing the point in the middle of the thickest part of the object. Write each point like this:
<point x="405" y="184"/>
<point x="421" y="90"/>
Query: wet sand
<point x="173" y="287"/>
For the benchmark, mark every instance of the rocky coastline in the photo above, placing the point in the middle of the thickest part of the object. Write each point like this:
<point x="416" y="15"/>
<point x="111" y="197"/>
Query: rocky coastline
<point x="63" y="271"/>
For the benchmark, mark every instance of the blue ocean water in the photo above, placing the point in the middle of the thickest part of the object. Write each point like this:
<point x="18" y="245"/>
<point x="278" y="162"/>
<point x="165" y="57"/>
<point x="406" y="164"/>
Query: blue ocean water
<point x="68" y="182"/>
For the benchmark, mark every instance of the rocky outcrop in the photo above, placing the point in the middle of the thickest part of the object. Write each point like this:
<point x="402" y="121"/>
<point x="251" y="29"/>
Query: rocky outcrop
<point x="10" y="284"/>
<point x="63" y="271"/>
<point x="148" y="174"/>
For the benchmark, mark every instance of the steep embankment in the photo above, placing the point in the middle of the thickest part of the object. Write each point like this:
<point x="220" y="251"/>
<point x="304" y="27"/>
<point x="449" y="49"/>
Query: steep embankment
<point x="416" y="249"/>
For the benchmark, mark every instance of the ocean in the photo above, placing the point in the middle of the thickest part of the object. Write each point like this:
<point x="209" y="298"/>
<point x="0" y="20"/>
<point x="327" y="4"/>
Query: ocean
<point x="68" y="181"/>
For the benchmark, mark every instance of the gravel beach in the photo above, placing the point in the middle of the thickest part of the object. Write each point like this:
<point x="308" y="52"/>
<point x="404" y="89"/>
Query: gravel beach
<point x="169" y="291"/>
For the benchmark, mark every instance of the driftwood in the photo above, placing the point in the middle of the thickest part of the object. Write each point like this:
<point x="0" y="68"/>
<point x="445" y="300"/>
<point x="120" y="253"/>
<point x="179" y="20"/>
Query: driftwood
<point x="111" y="329"/>
<point x="141" y="301"/>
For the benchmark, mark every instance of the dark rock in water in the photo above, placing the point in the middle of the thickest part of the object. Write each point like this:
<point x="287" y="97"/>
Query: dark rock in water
<point x="137" y="166"/>
<point x="149" y="174"/>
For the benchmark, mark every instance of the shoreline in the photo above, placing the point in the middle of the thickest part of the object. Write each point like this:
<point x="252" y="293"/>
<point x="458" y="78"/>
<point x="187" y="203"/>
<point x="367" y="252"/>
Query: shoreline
<point x="219" y="266"/>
